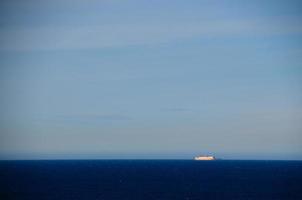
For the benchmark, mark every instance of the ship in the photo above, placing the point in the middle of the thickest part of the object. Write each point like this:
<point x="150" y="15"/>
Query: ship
<point x="204" y="157"/>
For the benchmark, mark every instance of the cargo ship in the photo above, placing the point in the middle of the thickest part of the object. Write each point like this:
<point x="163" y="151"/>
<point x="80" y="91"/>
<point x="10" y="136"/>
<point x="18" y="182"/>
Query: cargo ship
<point x="204" y="158"/>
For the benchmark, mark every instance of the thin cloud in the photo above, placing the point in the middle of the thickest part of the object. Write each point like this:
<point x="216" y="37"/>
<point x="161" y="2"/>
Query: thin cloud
<point x="104" y="36"/>
<point x="176" y="110"/>
<point x="88" y="117"/>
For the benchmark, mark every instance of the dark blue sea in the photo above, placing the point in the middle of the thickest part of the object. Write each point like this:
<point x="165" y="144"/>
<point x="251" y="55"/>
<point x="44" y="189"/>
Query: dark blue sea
<point x="150" y="179"/>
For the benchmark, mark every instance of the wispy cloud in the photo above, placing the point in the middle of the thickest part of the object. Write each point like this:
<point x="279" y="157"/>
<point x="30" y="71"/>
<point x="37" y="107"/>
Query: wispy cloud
<point x="86" y="118"/>
<point x="149" y="33"/>
<point x="176" y="109"/>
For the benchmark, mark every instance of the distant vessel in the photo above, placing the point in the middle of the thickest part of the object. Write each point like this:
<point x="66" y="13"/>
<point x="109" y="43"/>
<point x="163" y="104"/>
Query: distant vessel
<point x="204" y="158"/>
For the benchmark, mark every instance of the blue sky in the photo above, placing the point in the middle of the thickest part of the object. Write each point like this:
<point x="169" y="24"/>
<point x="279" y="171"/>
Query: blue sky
<point x="150" y="79"/>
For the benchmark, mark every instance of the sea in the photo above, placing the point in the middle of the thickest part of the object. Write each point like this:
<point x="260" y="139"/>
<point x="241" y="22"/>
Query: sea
<point x="150" y="180"/>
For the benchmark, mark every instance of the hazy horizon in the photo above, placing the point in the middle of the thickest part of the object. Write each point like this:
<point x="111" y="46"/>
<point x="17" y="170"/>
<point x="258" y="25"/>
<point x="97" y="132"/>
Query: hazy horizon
<point x="150" y="79"/>
<point x="158" y="156"/>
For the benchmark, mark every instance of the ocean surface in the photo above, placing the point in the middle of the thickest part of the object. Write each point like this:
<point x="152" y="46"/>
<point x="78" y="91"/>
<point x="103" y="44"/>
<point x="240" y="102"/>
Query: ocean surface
<point x="150" y="179"/>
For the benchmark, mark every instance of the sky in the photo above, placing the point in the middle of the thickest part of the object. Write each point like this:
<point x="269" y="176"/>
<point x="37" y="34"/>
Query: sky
<point x="143" y="79"/>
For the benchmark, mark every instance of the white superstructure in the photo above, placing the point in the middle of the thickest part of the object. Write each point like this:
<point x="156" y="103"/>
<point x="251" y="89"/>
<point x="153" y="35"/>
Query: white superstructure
<point x="204" y="158"/>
